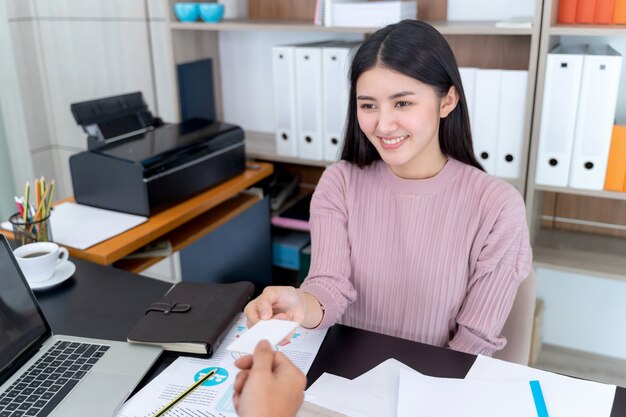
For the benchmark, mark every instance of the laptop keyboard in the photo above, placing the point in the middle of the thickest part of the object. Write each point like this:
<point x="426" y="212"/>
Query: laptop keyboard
<point x="44" y="385"/>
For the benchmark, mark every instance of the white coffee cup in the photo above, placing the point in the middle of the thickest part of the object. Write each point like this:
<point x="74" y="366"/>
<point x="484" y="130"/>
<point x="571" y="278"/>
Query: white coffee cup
<point x="38" y="261"/>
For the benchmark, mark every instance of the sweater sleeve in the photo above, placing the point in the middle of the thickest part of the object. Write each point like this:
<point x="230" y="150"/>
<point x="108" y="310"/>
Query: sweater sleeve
<point x="503" y="260"/>
<point x="329" y="275"/>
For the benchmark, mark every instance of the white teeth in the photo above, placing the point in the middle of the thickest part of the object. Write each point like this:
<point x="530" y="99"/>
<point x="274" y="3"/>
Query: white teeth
<point x="394" y="140"/>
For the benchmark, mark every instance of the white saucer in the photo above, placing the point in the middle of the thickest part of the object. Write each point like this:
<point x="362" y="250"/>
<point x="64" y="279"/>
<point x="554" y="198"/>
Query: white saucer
<point x="64" y="272"/>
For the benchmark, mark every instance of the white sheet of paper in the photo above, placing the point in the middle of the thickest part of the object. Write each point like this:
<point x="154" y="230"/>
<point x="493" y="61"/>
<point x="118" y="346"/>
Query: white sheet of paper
<point x="82" y="226"/>
<point x="6" y="226"/>
<point x="422" y="395"/>
<point x="564" y="396"/>
<point x="341" y="395"/>
<point x="213" y="398"/>
<point x="272" y="330"/>
<point x="375" y="393"/>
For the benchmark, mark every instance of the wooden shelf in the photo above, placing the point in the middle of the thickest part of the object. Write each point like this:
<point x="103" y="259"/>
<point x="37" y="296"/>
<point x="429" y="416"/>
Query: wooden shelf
<point x="171" y="219"/>
<point x="612" y="195"/>
<point x="587" y="30"/>
<point x="192" y="231"/>
<point x="581" y="253"/>
<point x="445" y="27"/>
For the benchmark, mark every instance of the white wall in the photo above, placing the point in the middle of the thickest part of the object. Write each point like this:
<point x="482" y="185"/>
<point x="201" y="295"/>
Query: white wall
<point x="11" y="106"/>
<point x="68" y="51"/>
<point x="7" y="189"/>
<point x="583" y="312"/>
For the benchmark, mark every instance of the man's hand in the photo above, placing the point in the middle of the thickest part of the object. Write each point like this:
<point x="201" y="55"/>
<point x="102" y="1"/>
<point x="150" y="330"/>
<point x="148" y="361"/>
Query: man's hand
<point x="269" y="385"/>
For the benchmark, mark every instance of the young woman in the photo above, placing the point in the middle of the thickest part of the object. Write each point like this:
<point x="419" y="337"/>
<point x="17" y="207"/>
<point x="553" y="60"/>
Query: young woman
<point x="410" y="237"/>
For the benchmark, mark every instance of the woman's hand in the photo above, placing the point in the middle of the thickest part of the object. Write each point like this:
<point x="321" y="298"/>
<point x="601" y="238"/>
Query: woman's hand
<point x="269" y="385"/>
<point x="285" y="303"/>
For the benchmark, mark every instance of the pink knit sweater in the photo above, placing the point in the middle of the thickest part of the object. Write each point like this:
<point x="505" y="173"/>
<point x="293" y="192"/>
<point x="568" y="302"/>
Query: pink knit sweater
<point x="437" y="260"/>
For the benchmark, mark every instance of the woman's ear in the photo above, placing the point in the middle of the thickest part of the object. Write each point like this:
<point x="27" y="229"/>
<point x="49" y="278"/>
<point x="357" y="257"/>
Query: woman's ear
<point x="448" y="102"/>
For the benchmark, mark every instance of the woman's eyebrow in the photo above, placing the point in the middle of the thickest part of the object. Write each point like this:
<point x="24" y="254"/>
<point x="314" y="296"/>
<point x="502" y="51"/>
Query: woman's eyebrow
<point x="402" y="94"/>
<point x="391" y="97"/>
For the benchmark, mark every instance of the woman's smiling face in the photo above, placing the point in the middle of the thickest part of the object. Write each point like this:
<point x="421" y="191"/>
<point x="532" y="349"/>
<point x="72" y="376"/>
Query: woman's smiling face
<point x="400" y="116"/>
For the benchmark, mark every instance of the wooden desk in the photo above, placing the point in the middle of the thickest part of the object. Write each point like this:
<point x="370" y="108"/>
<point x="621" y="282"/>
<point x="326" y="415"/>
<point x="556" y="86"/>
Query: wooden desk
<point x="104" y="302"/>
<point x="182" y="224"/>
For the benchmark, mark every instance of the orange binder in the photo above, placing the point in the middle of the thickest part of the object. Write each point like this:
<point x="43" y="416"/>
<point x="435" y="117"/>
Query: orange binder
<point x="616" y="166"/>
<point x="604" y="12"/>
<point x="585" y="11"/>
<point x="619" y="14"/>
<point x="567" y="11"/>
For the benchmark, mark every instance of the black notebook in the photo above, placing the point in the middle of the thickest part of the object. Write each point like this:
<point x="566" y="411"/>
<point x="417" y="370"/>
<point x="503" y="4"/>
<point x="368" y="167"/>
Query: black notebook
<point x="192" y="317"/>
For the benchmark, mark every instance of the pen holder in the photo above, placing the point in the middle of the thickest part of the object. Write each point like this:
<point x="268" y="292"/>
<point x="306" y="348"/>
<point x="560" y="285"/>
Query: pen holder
<point x="30" y="231"/>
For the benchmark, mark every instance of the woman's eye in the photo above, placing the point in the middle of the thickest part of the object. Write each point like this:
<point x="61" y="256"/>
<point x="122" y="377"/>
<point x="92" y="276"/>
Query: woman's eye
<point x="367" y="106"/>
<point x="402" y="103"/>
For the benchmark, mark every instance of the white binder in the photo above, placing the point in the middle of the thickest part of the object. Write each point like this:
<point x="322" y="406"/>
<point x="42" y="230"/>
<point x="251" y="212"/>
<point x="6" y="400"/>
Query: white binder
<point x="284" y="77"/>
<point x="309" y="100"/>
<point x="336" y="60"/>
<point x="558" y="114"/>
<point x="596" y="112"/>
<point x="468" y="78"/>
<point x="512" y="115"/>
<point x="486" y="105"/>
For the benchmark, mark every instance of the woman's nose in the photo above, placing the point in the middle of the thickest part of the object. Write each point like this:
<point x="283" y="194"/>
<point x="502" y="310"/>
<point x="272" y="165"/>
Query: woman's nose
<point x="386" y="121"/>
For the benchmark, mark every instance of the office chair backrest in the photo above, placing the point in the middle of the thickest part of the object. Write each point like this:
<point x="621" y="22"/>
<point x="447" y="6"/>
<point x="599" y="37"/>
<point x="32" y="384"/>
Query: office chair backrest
<point x="519" y="325"/>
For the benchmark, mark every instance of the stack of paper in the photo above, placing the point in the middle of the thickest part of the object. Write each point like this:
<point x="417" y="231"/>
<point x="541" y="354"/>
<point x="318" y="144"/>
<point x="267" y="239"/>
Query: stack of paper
<point x="564" y="396"/>
<point x="371" y="13"/>
<point x="491" y="388"/>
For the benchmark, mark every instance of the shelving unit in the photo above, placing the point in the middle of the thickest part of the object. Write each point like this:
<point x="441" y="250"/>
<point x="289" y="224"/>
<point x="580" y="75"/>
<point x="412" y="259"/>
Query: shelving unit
<point x="475" y="44"/>
<point x="595" y="251"/>
<point x="447" y="28"/>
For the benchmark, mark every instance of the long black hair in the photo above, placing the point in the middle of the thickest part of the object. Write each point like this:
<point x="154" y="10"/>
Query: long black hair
<point x="418" y="50"/>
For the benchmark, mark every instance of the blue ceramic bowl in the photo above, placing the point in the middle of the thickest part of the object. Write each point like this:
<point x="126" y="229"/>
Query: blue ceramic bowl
<point x="211" y="12"/>
<point x="186" y="12"/>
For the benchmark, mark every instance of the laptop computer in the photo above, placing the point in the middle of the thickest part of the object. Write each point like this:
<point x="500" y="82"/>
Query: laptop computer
<point x="42" y="374"/>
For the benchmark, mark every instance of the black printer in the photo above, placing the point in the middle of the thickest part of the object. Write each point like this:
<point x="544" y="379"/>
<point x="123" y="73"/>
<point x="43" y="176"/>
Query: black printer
<point x="137" y="164"/>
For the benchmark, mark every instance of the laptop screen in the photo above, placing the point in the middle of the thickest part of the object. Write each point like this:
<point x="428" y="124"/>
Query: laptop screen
<point x="21" y="321"/>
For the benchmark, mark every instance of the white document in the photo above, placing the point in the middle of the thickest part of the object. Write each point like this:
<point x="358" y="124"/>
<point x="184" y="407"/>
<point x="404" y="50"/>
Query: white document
<point x="421" y="395"/>
<point x="596" y="113"/>
<point x="512" y="115"/>
<point x="486" y="109"/>
<point x="341" y="395"/>
<point x="336" y="60"/>
<point x="214" y="397"/>
<point x="564" y="396"/>
<point x="468" y="78"/>
<point x="284" y="77"/>
<point x="558" y="115"/>
<point x="274" y="331"/>
<point x="81" y="227"/>
<point x="309" y="100"/>
<point x="375" y="393"/>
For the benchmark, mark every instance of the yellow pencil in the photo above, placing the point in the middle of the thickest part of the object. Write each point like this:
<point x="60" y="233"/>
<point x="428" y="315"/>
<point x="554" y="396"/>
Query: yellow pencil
<point x="45" y="196"/>
<point x="49" y="203"/>
<point x="199" y="382"/>
<point x="26" y="192"/>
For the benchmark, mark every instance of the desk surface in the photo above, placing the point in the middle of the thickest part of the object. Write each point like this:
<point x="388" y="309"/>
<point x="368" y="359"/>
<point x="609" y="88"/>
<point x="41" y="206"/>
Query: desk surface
<point x="105" y="302"/>
<point x="207" y="203"/>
